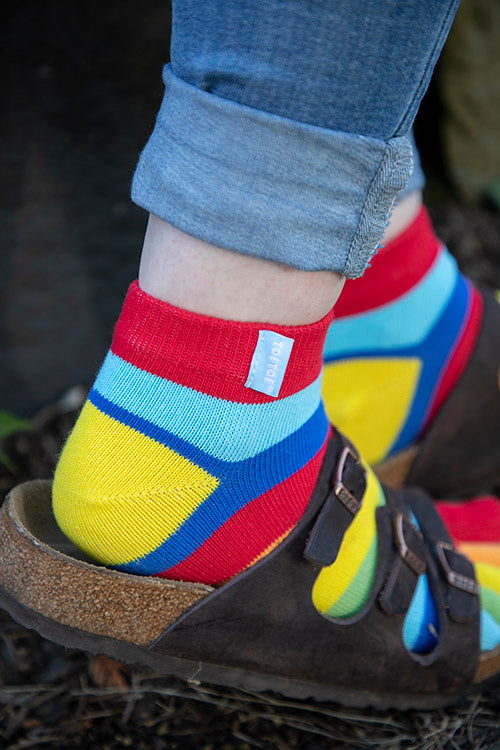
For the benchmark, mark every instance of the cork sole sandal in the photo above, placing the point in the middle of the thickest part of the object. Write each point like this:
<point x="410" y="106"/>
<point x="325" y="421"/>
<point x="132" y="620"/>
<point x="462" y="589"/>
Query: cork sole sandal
<point x="261" y="631"/>
<point x="459" y="455"/>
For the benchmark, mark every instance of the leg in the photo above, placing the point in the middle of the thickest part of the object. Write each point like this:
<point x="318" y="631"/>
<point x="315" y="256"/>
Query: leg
<point x="251" y="284"/>
<point x="191" y="273"/>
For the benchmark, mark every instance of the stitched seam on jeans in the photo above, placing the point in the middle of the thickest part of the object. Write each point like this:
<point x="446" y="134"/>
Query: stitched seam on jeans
<point x="425" y="79"/>
<point x="382" y="189"/>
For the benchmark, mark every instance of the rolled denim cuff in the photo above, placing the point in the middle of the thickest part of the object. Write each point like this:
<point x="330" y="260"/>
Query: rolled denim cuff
<point x="267" y="186"/>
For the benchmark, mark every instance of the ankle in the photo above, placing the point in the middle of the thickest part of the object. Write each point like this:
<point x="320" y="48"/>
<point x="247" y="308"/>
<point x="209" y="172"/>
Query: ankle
<point x="202" y="278"/>
<point x="403" y="214"/>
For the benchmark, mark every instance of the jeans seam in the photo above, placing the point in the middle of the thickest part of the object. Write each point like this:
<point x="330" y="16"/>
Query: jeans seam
<point x="425" y="76"/>
<point x="390" y="178"/>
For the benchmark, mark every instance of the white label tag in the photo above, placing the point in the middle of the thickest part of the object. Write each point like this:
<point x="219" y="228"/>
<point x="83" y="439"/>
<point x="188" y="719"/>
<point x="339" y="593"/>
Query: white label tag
<point x="269" y="363"/>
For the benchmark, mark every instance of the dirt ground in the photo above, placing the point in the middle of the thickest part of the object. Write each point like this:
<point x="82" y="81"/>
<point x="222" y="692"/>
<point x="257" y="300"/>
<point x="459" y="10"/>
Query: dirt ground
<point x="82" y="84"/>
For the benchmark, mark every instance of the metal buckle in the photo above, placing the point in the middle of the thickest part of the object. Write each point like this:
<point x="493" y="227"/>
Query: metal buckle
<point x="410" y="558"/>
<point x="458" y="580"/>
<point x="339" y="489"/>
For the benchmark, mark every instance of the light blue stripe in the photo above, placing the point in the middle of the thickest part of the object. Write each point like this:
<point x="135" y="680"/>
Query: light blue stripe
<point x="402" y="323"/>
<point x="422" y="613"/>
<point x="211" y="424"/>
<point x="490" y="631"/>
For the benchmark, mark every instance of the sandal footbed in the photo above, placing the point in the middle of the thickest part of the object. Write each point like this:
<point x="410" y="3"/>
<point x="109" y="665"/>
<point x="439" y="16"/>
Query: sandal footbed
<point x="48" y="574"/>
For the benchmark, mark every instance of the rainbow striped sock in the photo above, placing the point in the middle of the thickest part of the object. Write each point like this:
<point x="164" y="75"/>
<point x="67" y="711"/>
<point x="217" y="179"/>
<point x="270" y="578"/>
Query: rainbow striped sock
<point x="402" y="336"/>
<point x="342" y="589"/>
<point x="181" y="464"/>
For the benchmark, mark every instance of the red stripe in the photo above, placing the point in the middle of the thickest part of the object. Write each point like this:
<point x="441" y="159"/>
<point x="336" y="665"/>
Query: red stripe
<point x="475" y="520"/>
<point x="251" y="530"/>
<point x="462" y="351"/>
<point x="395" y="269"/>
<point x="207" y="354"/>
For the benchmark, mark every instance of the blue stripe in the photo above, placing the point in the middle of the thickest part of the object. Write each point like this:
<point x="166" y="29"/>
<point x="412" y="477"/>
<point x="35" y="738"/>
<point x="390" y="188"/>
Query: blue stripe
<point x="402" y="323"/>
<point x="242" y="481"/>
<point x="490" y="631"/>
<point x="434" y="353"/>
<point x="195" y="416"/>
<point x="422" y="612"/>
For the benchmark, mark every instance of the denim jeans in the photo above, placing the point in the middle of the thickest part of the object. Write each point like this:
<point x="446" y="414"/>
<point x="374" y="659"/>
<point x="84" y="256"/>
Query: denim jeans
<point x="283" y="130"/>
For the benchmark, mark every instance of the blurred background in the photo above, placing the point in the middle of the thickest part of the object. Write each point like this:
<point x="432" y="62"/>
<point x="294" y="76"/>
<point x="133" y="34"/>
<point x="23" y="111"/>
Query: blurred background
<point x="82" y="84"/>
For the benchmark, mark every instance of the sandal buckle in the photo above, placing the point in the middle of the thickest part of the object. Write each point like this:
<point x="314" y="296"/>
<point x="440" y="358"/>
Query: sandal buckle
<point x="339" y="489"/>
<point x="408" y="556"/>
<point x="458" y="580"/>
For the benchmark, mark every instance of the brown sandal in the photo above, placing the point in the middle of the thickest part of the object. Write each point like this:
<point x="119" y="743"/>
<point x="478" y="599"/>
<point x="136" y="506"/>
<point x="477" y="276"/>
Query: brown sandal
<point x="459" y="455"/>
<point x="261" y="631"/>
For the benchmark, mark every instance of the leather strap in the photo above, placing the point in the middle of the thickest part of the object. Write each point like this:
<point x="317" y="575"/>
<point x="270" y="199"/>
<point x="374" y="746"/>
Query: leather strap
<point x="457" y="572"/>
<point x="408" y="566"/>
<point x="340" y="507"/>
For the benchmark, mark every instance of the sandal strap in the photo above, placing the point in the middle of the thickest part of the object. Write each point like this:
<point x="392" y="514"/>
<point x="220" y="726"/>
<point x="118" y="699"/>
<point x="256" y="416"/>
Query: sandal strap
<point x="457" y="572"/>
<point x="397" y="593"/>
<point x="340" y="507"/>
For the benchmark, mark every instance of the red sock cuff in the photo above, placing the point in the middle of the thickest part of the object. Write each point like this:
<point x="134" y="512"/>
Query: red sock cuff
<point x="475" y="520"/>
<point x="210" y="354"/>
<point x="394" y="270"/>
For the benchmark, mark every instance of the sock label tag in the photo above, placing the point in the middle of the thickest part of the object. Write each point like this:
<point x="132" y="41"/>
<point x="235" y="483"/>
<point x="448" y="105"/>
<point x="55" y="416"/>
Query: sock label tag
<point x="269" y="363"/>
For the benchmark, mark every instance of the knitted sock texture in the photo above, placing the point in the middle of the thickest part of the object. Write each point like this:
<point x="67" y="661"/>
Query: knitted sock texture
<point x="176" y="467"/>
<point x="401" y="338"/>
<point x="474" y="526"/>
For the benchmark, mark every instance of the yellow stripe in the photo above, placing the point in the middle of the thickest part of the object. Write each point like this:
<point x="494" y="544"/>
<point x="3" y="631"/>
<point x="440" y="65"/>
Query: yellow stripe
<point x="334" y="580"/>
<point x="369" y="400"/>
<point x="119" y="494"/>
<point x="488" y="575"/>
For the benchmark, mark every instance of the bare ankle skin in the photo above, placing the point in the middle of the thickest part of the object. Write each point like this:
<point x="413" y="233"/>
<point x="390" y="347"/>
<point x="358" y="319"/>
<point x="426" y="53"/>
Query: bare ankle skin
<point x="196" y="276"/>
<point x="403" y="215"/>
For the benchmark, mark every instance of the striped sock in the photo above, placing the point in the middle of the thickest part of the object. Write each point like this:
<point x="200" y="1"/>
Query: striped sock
<point x="176" y="467"/>
<point x="403" y="334"/>
<point x="181" y="465"/>
<point x="342" y="589"/>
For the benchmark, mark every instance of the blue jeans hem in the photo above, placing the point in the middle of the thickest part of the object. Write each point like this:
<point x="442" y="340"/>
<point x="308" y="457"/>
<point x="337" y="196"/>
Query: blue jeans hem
<point x="267" y="186"/>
